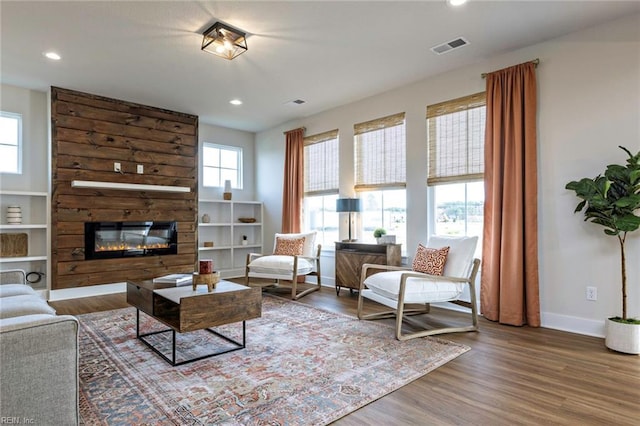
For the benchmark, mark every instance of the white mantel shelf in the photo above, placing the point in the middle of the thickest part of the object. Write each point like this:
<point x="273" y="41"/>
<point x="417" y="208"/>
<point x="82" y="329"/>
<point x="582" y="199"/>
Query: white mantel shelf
<point x="128" y="186"/>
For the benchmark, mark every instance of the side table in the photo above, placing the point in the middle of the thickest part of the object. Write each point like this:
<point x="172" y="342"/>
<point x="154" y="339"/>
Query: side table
<point x="351" y="256"/>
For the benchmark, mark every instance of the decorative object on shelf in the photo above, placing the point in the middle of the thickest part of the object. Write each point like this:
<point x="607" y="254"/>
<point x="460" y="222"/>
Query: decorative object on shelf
<point x="244" y="240"/>
<point x="208" y="243"/>
<point x="14" y="215"/>
<point x="206" y="218"/>
<point x="34" y="277"/>
<point x="378" y="233"/>
<point x="247" y="219"/>
<point x="14" y="245"/>
<point x="387" y="239"/>
<point x="227" y="190"/>
<point x="348" y="205"/>
<point x="224" y="41"/>
<point x="205" y="266"/>
<point x="612" y="200"/>
<point x="210" y="280"/>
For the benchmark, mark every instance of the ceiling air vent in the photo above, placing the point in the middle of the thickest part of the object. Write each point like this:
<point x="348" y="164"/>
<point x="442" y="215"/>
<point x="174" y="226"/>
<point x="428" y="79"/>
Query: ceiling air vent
<point x="449" y="46"/>
<point x="295" y="102"/>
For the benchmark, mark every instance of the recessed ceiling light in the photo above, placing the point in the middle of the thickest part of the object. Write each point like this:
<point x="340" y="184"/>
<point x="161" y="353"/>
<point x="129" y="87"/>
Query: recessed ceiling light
<point x="456" y="2"/>
<point x="53" y="55"/>
<point x="235" y="102"/>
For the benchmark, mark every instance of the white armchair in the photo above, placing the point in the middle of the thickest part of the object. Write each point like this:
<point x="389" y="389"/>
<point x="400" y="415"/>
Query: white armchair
<point x="294" y="255"/>
<point x="409" y="292"/>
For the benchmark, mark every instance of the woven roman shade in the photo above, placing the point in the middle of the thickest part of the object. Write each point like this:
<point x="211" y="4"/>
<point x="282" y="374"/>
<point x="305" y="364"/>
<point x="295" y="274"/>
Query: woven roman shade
<point x="380" y="153"/>
<point x="321" y="164"/>
<point x="455" y="133"/>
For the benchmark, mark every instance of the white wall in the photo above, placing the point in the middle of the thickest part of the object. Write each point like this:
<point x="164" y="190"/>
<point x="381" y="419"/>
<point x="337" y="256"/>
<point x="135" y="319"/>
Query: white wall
<point x="237" y="138"/>
<point x="35" y="159"/>
<point x="589" y="103"/>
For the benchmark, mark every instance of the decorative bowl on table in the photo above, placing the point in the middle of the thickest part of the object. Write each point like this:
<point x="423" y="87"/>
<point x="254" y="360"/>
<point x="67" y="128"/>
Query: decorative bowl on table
<point x="247" y="219"/>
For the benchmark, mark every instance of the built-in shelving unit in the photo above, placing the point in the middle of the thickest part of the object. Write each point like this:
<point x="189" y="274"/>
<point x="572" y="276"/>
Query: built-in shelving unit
<point x="35" y="223"/>
<point x="226" y="232"/>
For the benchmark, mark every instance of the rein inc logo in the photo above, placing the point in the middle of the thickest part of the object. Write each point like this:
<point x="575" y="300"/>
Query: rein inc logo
<point x="16" y="421"/>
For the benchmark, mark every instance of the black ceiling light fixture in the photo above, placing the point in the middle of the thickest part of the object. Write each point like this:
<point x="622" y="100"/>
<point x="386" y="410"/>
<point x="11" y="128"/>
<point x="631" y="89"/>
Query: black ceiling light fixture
<point x="224" y="41"/>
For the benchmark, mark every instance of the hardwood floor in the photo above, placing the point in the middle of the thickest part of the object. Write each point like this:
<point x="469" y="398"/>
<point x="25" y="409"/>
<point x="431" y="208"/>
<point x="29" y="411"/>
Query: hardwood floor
<point x="511" y="376"/>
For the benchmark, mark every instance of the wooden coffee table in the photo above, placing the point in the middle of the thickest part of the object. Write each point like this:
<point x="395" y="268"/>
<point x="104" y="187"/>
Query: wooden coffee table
<point x="183" y="310"/>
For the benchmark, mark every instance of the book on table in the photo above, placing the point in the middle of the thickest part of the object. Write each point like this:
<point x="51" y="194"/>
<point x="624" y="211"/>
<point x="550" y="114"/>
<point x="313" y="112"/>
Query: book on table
<point x="177" y="279"/>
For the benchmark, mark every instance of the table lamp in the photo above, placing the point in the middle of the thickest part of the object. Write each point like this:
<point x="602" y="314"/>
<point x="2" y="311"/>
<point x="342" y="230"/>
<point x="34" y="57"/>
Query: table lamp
<point x="348" y="205"/>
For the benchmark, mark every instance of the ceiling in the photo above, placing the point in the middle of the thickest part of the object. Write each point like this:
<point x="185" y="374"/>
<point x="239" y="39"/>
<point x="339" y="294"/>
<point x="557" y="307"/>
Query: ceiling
<point x="328" y="53"/>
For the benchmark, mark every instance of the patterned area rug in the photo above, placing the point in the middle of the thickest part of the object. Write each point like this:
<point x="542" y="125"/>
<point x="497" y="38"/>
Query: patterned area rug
<point x="301" y="366"/>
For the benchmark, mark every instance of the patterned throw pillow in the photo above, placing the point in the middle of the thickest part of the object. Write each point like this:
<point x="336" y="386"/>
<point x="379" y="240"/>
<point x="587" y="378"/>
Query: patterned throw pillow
<point x="289" y="246"/>
<point x="430" y="261"/>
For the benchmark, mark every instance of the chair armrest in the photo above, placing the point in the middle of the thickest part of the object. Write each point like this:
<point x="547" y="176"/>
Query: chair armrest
<point x="39" y="358"/>
<point x="310" y="258"/>
<point x="415" y="274"/>
<point x="368" y="266"/>
<point x="252" y="256"/>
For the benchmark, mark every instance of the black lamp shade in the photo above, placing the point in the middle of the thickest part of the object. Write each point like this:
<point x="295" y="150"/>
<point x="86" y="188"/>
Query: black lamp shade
<point x="344" y="205"/>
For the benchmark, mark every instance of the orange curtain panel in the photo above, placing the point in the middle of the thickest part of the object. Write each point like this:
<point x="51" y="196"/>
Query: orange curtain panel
<point x="293" y="187"/>
<point x="509" y="291"/>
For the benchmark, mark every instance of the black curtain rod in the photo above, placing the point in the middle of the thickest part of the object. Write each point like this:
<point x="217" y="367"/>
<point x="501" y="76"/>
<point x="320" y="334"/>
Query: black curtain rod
<point x="534" y="62"/>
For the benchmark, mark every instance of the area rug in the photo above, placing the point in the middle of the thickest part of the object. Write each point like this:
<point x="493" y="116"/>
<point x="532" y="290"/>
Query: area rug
<point x="301" y="366"/>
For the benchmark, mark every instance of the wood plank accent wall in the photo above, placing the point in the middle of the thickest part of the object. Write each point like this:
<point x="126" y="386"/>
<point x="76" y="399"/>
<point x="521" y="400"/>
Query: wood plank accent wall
<point x="89" y="134"/>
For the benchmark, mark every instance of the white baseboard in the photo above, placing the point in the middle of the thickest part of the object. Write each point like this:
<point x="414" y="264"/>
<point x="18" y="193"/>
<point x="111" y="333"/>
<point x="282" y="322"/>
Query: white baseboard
<point x="552" y="321"/>
<point x="577" y="325"/>
<point x="94" y="290"/>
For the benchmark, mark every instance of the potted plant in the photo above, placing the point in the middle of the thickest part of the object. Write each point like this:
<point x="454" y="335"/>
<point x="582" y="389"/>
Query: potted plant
<point x="612" y="200"/>
<point x="378" y="233"/>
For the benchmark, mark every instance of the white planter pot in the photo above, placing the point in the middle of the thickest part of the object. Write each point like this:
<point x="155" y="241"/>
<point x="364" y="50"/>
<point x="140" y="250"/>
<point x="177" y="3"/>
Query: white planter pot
<point x="623" y="338"/>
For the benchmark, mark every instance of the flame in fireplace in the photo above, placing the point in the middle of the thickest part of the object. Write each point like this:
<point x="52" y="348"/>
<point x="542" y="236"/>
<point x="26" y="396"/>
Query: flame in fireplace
<point x="118" y="246"/>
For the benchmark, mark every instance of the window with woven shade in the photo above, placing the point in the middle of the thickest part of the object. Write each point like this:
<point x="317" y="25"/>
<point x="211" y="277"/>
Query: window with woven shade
<point x="380" y="153"/>
<point x="381" y="177"/>
<point x="321" y="172"/>
<point x="455" y="132"/>
<point x="321" y="163"/>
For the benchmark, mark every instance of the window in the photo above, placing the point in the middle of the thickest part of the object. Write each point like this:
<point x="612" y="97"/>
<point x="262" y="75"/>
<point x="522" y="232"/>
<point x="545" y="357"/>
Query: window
<point x="380" y="155"/>
<point x="384" y="209"/>
<point x="10" y="142"/>
<point x="459" y="209"/>
<point x="321" y="169"/>
<point x="220" y="163"/>
<point x="456" y="165"/>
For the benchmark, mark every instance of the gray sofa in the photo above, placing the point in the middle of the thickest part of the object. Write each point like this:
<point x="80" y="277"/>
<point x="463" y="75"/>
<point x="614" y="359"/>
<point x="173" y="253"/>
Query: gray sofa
<point x="38" y="360"/>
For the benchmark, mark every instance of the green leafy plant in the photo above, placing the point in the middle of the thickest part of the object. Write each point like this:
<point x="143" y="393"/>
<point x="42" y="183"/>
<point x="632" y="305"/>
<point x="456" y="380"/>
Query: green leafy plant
<point x="379" y="232"/>
<point x="611" y="200"/>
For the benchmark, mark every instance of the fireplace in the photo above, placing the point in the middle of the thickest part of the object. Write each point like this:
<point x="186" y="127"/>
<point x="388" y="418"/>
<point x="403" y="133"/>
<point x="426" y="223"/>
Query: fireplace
<point x="108" y="240"/>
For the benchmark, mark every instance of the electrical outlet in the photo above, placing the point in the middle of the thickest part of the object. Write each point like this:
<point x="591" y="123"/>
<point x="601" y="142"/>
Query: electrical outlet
<point x="117" y="167"/>
<point x="140" y="169"/>
<point x="592" y="293"/>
